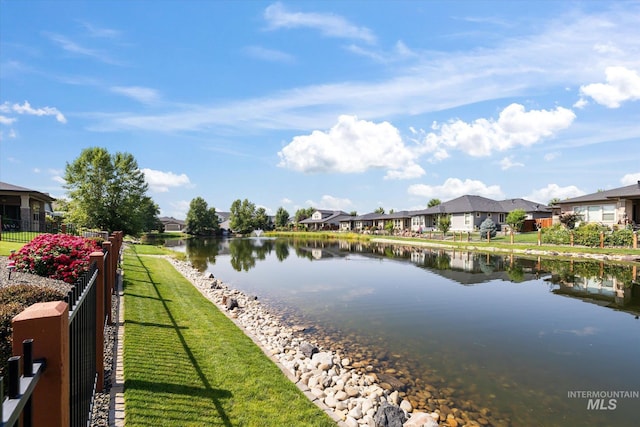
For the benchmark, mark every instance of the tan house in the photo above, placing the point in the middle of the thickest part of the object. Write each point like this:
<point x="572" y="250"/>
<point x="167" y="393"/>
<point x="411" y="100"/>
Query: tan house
<point x="619" y="206"/>
<point x="171" y="224"/>
<point x="23" y="209"/>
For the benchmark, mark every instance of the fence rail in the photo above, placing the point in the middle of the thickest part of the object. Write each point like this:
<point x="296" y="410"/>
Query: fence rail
<point x="82" y="346"/>
<point x="24" y="230"/>
<point x="21" y="387"/>
<point x="72" y="337"/>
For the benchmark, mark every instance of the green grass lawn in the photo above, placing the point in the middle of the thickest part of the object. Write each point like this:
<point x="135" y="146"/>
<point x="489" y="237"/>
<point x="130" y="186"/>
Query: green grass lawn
<point x="7" y="247"/>
<point x="187" y="364"/>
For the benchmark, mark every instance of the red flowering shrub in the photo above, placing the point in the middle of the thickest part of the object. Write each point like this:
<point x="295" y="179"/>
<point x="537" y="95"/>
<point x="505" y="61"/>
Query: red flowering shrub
<point x="57" y="256"/>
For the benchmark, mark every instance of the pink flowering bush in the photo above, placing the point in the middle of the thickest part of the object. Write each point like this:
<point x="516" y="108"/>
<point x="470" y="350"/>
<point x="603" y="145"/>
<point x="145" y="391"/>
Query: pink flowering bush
<point x="57" y="256"/>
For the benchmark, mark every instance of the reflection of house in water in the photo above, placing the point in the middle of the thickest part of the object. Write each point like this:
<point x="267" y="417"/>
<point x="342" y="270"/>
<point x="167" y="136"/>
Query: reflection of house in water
<point x="607" y="291"/>
<point x="468" y="268"/>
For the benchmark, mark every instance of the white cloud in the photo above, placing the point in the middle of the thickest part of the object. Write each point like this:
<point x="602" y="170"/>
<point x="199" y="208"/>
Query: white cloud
<point x="141" y="94"/>
<point x="508" y="163"/>
<point x="95" y="31"/>
<point x="514" y="127"/>
<point x="331" y="203"/>
<point x="551" y="156"/>
<point x="352" y="146"/>
<point x="605" y="48"/>
<point x="160" y="181"/>
<point x="411" y="171"/>
<point x="328" y="24"/>
<point x="630" y="178"/>
<point x="286" y="201"/>
<point x="59" y="179"/>
<point x="7" y="120"/>
<point x="514" y="67"/>
<point x="71" y="46"/>
<point x="553" y="191"/>
<point x="454" y="187"/>
<point x="581" y="103"/>
<point x="26" y="108"/>
<point x="178" y="210"/>
<point x="271" y="55"/>
<point x="622" y="85"/>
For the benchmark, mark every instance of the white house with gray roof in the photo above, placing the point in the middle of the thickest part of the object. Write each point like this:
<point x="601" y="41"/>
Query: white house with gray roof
<point x="618" y="206"/>
<point x="468" y="212"/>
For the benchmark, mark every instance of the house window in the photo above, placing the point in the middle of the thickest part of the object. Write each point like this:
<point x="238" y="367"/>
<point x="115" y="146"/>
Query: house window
<point x="478" y="214"/>
<point x="608" y="213"/>
<point x="467" y="218"/>
<point x="489" y="215"/>
<point x="594" y="214"/>
<point x="501" y="218"/>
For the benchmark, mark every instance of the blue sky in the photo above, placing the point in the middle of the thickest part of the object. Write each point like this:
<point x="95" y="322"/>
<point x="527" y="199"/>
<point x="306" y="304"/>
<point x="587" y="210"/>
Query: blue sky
<point x="345" y="105"/>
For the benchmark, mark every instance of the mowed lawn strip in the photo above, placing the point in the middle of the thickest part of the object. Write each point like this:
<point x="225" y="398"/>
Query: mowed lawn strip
<point x="187" y="364"/>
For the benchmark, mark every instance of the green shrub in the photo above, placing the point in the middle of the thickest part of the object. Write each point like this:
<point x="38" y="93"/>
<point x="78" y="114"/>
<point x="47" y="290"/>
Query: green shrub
<point x="488" y="227"/>
<point x="622" y="237"/>
<point x="557" y="234"/>
<point x="589" y="234"/>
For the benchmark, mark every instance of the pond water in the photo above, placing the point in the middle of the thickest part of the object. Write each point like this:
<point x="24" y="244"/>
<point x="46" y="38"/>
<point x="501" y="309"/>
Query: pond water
<point x="513" y="341"/>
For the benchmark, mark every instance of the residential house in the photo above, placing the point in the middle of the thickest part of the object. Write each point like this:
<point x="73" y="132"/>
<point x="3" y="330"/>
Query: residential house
<point x="223" y="222"/>
<point x="323" y="219"/>
<point x="171" y="224"/>
<point x="468" y="212"/>
<point x="23" y="208"/>
<point x="619" y="206"/>
<point x="359" y="223"/>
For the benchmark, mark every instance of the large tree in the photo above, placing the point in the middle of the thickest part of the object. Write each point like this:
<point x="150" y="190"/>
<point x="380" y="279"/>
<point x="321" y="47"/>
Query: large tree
<point x="201" y="219"/>
<point x="261" y="220"/>
<point x="304" y="213"/>
<point x="282" y="217"/>
<point x="242" y="216"/>
<point x="108" y="191"/>
<point x="433" y="202"/>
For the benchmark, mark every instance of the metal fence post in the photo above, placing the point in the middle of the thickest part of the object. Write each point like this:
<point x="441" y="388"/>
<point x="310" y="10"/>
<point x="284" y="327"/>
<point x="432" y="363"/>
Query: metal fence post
<point x="98" y="258"/>
<point x="48" y="325"/>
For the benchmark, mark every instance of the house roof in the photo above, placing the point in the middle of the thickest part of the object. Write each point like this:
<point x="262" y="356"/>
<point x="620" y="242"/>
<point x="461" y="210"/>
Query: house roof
<point x="171" y="220"/>
<point x="469" y="203"/>
<point x="628" y="192"/>
<point x="327" y="216"/>
<point x="525" y="205"/>
<point x="364" y="217"/>
<point x="466" y="203"/>
<point x="10" y="188"/>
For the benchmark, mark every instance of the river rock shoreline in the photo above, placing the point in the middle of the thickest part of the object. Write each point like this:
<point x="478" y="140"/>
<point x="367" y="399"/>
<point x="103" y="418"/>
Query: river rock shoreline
<point x="351" y="394"/>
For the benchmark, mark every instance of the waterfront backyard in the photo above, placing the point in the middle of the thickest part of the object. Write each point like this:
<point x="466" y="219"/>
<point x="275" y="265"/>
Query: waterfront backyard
<point x="187" y="364"/>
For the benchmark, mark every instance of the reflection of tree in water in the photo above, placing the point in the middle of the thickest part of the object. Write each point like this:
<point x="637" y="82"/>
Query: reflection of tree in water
<point x="202" y="251"/>
<point x="282" y="250"/>
<point x="567" y="271"/>
<point x="516" y="273"/>
<point x="440" y="260"/>
<point x="245" y="252"/>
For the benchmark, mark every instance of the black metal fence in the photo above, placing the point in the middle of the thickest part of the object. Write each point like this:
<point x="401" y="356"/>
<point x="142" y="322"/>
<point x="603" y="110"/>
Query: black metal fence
<point x="20" y="388"/>
<point x="23" y="231"/>
<point x="82" y="346"/>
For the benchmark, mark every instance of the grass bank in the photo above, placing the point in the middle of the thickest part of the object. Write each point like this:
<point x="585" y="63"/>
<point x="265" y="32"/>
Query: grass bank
<point x="522" y="243"/>
<point x="187" y="364"/>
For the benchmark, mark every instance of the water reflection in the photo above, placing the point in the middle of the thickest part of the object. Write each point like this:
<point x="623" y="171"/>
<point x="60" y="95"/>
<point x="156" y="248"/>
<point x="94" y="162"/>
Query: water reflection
<point x="481" y="332"/>
<point x="584" y="278"/>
